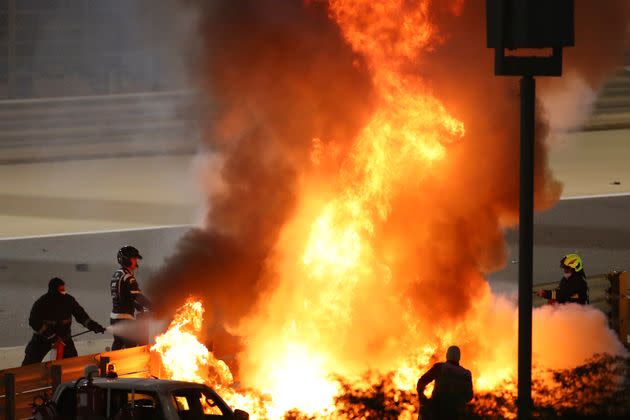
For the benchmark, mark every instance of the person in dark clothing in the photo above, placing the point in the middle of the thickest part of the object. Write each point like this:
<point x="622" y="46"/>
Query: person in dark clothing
<point x="452" y="388"/>
<point x="111" y="372"/>
<point x="51" y="318"/>
<point x="573" y="287"/>
<point x="127" y="298"/>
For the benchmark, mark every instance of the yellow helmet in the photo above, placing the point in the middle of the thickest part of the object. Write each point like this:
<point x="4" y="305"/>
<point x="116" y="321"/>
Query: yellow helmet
<point x="572" y="261"/>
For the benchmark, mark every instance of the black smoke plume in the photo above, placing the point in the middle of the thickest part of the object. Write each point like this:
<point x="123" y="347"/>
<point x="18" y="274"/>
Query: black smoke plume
<point x="278" y="74"/>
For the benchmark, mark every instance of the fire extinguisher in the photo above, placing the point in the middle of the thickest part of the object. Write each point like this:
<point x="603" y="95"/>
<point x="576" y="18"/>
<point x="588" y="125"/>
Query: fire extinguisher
<point x="59" y="346"/>
<point x="91" y="400"/>
<point x="58" y="349"/>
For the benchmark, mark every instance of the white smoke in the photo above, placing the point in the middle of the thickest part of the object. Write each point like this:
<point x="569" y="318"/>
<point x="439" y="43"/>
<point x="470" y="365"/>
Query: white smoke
<point x="568" y="106"/>
<point x="565" y="336"/>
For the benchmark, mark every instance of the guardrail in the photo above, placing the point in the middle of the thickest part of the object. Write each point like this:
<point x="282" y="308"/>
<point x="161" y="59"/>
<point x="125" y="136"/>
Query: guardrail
<point x="103" y="125"/>
<point x="599" y="285"/>
<point x="19" y="386"/>
<point x="145" y="124"/>
<point x="611" y="110"/>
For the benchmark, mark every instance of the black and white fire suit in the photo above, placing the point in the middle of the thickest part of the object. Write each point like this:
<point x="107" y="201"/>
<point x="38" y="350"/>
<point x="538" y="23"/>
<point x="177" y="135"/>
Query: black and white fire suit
<point x="126" y="299"/>
<point x="51" y="318"/>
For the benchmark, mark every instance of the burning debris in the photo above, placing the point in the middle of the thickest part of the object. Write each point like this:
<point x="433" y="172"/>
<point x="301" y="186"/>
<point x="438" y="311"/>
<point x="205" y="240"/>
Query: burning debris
<point x="183" y="356"/>
<point x="367" y="161"/>
<point x="597" y="388"/>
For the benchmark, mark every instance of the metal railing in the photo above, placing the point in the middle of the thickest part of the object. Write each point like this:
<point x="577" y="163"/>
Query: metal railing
<point x="611" y="111"/>
<point x="597" y="285"/>
<point x="20" y="386"/>
<point x="98" y="126"/>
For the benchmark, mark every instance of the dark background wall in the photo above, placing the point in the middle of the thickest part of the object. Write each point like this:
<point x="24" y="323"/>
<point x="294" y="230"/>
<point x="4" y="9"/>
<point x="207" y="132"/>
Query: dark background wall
<point x="85" y="47"/>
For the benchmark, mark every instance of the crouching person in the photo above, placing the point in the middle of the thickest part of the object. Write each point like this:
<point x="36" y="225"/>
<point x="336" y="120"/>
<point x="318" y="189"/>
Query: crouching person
<point x="51" y="319"/>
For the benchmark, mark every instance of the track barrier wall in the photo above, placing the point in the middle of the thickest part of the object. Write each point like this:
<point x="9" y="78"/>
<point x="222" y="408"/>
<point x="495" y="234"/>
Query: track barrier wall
<point x="19" y="386"/>
<point x="607" y="292"/>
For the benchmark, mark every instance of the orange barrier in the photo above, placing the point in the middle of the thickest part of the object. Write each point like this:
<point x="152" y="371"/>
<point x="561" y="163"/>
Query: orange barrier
<point x="19" y="386"/>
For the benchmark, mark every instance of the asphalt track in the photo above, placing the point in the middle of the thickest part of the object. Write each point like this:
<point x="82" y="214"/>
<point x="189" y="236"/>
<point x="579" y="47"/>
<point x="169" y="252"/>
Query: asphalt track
<point x="85" y="261"/>
<point x="597" y="228"/>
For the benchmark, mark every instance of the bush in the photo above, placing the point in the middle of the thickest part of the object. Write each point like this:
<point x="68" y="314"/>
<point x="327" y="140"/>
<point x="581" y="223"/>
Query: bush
<point x="600" y="388"/>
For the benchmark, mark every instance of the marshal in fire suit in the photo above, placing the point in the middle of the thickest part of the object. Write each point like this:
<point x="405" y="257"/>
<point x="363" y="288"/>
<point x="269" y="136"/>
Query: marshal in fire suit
<point x="126" y="298"/>
<point x="573" y="287"/>
<point x="51" y="318"/>
<point x="452" y="388"/>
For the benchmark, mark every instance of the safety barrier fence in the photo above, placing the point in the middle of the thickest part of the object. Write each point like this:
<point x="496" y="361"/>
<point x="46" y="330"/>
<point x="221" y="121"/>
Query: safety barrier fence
<point x="98" y="126"/>
<point x="611" y="110"/>
<point x="167" y="122"/>
<point x="20" y="386"/>
<point x="609" y="293"/>
<point x="597" y="285"/>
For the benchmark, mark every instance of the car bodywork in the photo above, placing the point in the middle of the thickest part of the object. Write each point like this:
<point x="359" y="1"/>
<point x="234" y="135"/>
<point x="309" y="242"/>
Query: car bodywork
<point x="147" y="399"/>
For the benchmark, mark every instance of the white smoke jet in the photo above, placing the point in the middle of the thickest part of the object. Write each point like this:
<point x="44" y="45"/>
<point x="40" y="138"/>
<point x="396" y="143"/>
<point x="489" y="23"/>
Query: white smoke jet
<point x="568" y="107"/>
<point x="566" y="335"/>
<point x="139" y="329"/>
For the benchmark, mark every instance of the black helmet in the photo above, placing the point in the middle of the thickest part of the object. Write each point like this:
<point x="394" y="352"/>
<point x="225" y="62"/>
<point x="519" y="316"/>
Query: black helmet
<point x="54" y="284"/>
<point x="126" y="253"/>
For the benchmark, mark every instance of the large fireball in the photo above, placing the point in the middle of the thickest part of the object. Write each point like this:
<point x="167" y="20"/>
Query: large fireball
<point x="368" y="168"/>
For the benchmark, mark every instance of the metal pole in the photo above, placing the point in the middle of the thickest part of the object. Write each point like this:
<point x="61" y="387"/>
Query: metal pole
<point x="526" y="248"/>
<point x="9" y="396"/>
<point x="102" y="365"/>
<point x="55" y="376"/>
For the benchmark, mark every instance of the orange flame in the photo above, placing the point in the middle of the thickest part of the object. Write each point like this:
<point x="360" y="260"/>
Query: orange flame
<point x="304" y="333"/>
<point x="185" y="358"/>
<point x="339" y="307"/>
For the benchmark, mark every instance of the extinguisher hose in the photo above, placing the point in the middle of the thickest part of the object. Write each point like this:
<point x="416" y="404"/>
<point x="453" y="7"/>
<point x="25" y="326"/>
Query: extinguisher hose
<point x="81" y="333"/>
